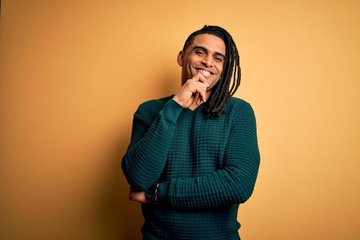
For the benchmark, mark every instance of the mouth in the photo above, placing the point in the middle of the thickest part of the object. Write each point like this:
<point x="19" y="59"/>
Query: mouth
<point x="205" y="73"/>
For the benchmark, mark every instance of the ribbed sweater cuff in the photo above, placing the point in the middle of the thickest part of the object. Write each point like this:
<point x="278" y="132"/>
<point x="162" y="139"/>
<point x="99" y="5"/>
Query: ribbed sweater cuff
<point x="171" y="111"/>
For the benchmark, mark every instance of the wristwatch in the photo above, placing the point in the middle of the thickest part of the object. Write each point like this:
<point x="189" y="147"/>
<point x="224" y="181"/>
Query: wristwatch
<point x="152" y="192"/>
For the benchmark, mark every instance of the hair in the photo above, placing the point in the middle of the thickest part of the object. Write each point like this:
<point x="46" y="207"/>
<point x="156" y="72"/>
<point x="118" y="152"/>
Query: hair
<point x="231" y="74"/>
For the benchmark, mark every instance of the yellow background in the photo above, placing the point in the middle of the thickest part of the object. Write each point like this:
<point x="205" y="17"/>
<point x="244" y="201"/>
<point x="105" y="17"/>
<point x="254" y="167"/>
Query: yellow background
<point x="73" y="73"/>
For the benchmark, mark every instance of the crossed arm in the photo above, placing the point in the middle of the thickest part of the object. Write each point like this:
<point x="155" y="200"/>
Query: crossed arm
<point x="234" y="182"/>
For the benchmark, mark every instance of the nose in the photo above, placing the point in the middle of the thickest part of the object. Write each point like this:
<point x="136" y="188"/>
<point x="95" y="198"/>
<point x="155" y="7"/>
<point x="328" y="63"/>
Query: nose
<point x="207" y="61"/>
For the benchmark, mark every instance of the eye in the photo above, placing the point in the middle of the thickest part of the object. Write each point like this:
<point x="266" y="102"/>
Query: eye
<point x="199" y="52"/>
<point x="218" y="58"/>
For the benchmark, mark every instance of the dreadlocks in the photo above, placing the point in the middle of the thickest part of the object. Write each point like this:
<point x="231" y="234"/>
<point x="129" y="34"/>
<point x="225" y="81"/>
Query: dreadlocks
<point x="215" y="105"/>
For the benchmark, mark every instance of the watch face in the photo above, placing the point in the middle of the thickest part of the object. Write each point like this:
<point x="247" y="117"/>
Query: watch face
<point x="151" y="192"/>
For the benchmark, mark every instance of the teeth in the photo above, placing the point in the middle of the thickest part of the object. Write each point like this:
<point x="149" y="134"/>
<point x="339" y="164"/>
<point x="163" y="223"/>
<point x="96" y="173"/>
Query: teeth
<point x="204" y="73"/>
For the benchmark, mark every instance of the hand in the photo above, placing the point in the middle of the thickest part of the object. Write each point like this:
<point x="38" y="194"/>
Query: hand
<point x="137" y="196"/>
<point x="193" y="89"/>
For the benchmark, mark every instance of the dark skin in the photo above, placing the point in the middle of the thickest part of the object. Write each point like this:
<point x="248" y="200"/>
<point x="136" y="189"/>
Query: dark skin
<point x="202" y="65"/>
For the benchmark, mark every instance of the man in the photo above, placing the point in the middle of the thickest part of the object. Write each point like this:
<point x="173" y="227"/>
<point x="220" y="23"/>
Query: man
<point x="193" y="156"/>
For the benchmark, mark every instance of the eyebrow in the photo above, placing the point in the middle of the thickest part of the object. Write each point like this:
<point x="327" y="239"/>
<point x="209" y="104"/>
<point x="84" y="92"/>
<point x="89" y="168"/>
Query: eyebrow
<point x="206" y="50"/>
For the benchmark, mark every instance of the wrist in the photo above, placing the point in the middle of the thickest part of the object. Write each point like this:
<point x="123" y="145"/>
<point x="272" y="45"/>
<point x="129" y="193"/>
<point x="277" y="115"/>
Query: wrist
<point x="151" y="193"/>
<point x="176" y="99"/>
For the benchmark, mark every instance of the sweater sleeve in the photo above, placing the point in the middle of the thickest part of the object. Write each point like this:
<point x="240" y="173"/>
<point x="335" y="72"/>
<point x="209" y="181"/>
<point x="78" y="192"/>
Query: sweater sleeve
<point x="146" y="155"/>
<point x="233" y="183"/>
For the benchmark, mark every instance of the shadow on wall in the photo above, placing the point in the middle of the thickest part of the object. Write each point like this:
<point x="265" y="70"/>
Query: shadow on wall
<point x="121" y="218"/>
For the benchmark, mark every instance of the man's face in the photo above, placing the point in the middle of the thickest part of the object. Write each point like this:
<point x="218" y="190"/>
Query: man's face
<point x="205" y="55"/>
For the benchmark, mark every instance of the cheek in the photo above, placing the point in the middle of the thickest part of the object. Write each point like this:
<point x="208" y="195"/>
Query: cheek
<point x="220" y="68"/>
<point x="215" y="81"/>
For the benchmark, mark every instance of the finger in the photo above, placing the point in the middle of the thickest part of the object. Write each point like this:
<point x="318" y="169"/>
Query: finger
<point x="197" y="77"/>
<point x="199" y="92"/>
<point x="202" y="85"/>
<point x="203" y="95"/>
<point x="200" y="89"/>
<point x="200" y="78"/>
<point x="199" y="83"/>
<point x="198" y="98"/>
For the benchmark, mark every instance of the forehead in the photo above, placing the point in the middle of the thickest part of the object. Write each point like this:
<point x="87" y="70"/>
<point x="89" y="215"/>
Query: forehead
<point x="210" y="42"/>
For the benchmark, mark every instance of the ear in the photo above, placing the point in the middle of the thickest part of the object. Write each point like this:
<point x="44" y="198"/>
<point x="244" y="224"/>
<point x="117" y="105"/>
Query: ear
<point x="180" y="58"/>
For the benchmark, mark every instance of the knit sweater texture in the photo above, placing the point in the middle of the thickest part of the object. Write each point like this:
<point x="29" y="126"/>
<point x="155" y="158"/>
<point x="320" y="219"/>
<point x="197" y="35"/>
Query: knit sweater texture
<point x="206" y="167"/>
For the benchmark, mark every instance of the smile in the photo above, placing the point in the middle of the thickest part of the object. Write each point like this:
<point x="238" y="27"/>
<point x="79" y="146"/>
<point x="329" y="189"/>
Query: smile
<point x="204" y="72"/>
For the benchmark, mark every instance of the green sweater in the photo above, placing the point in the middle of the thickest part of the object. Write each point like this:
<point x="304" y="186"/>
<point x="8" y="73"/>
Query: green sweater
<point x="205" y="167"/>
